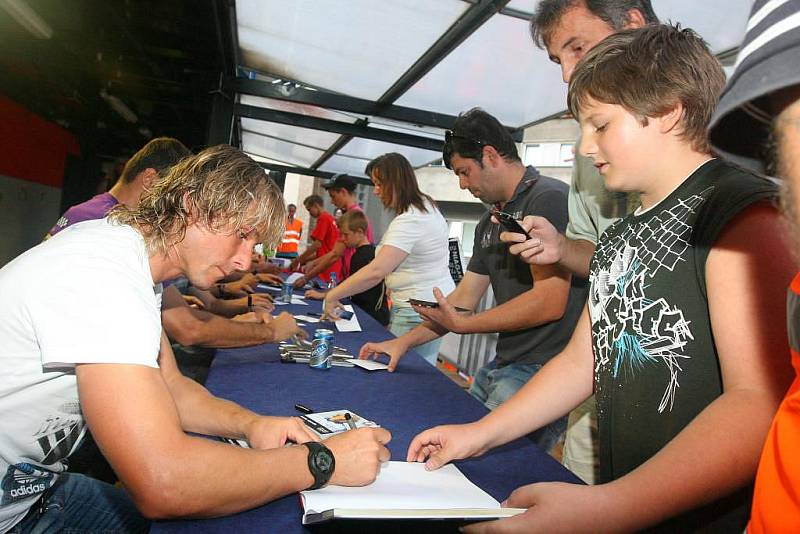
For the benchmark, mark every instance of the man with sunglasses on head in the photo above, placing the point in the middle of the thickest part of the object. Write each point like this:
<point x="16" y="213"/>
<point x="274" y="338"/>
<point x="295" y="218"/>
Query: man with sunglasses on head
<point x="537" y="306"/>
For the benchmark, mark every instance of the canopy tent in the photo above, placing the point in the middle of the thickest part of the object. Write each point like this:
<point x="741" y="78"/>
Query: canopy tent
<point x="323" y="86"/>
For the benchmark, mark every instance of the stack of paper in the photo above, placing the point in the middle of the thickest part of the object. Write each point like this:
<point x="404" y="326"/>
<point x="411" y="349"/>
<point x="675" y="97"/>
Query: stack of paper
<point x="405" y="490"/>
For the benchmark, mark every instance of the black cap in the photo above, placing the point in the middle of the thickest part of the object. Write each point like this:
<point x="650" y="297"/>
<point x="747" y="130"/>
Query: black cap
<point x="767" y="62"/>
<point x="341" y="181"/>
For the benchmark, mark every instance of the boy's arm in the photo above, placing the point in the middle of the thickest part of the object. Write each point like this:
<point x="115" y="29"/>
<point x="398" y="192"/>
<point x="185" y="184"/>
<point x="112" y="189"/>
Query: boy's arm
<point x="561" y="385"/>
<point x="747" y="273"/>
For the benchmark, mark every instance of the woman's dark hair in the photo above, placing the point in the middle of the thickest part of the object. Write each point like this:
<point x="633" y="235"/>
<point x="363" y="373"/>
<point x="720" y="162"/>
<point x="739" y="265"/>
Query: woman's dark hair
<point x="396" y="178"/>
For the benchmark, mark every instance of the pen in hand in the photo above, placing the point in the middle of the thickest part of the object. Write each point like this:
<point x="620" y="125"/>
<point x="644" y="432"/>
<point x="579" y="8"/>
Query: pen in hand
<point x="349" y="419"/>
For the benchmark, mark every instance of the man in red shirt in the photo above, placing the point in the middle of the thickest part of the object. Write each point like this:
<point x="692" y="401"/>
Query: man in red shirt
<point x="323" y="238"/>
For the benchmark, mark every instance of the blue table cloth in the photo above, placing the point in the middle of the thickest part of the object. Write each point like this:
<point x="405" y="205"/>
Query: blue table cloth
<point x="405" y="402"/>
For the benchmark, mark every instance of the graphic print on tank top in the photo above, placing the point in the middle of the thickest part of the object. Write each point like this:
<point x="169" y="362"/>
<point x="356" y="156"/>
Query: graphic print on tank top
<point x="632" y="329"/>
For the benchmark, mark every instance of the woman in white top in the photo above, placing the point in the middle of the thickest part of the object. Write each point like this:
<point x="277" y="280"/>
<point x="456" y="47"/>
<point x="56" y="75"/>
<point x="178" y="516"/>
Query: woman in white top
<point x="413" y="254"/>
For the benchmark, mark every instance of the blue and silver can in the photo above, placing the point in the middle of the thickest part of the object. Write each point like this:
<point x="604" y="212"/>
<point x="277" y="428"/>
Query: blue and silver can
<point x="321" y="349"/>
<point x="286" y="293"/>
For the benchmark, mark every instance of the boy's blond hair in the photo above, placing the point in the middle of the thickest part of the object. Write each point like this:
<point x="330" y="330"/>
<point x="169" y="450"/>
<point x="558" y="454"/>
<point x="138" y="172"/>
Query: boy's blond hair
<point x="353" y="220"/>
<point x="648" y="71"/>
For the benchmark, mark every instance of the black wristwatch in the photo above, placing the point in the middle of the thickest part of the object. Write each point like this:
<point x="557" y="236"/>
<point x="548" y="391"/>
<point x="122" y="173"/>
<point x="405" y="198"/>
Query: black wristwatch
<point x="321" y="463"/>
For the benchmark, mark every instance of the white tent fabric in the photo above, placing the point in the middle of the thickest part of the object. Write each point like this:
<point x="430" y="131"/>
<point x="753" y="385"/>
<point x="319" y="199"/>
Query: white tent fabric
<point x="361" y="48"/>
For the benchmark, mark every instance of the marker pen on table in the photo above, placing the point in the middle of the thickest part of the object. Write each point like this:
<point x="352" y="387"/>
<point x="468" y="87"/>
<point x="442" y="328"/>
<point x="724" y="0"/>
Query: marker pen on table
<point x="303" y="409"/>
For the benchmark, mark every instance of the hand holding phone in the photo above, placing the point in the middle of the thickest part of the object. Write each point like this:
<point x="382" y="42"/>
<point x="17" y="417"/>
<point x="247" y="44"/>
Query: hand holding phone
<point x="509" y="223"/>
<point x="431" y="304"/>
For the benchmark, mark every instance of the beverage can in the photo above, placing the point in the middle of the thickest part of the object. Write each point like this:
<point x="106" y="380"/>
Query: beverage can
<point x="321" y="349"/>
<point x="286" y="292"/>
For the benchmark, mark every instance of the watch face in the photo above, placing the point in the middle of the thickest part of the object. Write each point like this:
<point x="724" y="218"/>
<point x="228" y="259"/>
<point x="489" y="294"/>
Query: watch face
<point x="323" y="460"/>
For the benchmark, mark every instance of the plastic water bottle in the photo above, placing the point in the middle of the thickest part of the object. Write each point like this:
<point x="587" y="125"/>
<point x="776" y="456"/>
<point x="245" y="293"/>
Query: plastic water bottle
<point x="332" y="281"/>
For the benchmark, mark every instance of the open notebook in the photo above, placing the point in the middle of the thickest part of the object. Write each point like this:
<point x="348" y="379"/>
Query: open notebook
<point x="405" y="491"/>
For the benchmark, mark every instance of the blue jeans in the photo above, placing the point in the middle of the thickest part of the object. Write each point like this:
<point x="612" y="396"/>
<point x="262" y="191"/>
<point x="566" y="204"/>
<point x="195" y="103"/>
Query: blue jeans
<point x="493" y="386"/>
<point x="76" y="503"/>
<point x="404" y="320"/>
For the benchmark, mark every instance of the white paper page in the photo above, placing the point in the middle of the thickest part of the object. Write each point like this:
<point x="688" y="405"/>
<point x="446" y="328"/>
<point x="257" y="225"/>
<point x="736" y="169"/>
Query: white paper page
<point x="295" y="300"/>
<point x="404" y="485"/>
<point x="369" y="365"/>
<point x="307" y="318"/>
<point x="292" y="277"/>
<point x="348" y="325"/>
<point x="262" y="285"/>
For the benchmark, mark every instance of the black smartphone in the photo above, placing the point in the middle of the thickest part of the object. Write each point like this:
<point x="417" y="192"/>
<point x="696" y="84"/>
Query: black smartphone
<point x="509" y="223"/>
<point x="429" y="304"/>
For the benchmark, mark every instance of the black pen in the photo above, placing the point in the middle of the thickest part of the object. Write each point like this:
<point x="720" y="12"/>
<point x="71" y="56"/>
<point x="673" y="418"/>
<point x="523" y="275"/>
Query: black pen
<point x="303" y="409"/>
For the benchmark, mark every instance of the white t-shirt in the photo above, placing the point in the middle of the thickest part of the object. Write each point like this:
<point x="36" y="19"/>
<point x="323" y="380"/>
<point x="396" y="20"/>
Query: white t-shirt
<point x="84" y="296"/>
<point x="424" y="237"/>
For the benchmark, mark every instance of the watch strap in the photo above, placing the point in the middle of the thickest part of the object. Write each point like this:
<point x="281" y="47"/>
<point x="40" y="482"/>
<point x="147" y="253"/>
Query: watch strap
<point x="321" y="476"/>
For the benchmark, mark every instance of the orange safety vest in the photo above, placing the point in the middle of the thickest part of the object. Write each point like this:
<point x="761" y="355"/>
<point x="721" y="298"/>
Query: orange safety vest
<point x="291" y="237"/>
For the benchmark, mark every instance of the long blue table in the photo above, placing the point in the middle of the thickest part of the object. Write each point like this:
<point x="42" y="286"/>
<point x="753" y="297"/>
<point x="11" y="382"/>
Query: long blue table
<point x="413" y="398"/>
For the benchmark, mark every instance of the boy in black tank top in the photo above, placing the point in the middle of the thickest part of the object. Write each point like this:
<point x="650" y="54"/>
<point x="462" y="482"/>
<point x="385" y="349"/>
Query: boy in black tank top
<point x="683" y="340"/>
<point x="353" y="229"/>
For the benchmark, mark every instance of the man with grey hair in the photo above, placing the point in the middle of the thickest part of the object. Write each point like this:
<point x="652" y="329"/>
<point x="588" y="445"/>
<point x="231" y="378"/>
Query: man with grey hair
<point x="88" y="348"/>
<point x="758" y="121"/>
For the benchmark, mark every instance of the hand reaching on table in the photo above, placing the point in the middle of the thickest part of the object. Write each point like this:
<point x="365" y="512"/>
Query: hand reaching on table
<point x="331" y="309"/>
<point x="359" y="454"/>
<point x="300" y="282"/>
<point x="266" y="432"/>
<point x="442" y="444"/>
<point x="241" y="287"/>
<point x="551" y="508"/>
<point x="268" y="278"/>
<point x="394" y="348"/>
<point x="313" y="294"/>
<point x="284" y="326"/>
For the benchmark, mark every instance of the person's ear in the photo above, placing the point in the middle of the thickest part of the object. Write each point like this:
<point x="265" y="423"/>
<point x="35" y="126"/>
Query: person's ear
<point x="149" y="175"/>
<point x="635" y="19"/>
<point x="671" y="120"/>
<point x="491" y="155"/>
<point x="189" y="208"/>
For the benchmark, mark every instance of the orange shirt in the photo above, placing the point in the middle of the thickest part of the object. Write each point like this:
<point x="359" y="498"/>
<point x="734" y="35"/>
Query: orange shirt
<point x="776" y="498"/>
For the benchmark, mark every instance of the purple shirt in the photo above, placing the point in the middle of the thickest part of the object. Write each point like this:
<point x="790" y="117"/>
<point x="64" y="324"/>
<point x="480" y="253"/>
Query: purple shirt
<point x="94" y="208"/>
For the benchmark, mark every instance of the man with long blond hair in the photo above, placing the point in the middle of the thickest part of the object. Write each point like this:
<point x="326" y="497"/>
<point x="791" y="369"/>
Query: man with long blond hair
<point x="88" y="349"/>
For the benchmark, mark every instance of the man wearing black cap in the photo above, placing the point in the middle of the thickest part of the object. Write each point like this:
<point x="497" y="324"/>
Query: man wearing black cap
<point x="341" y="189"/>
<point x="758" y="119"/>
